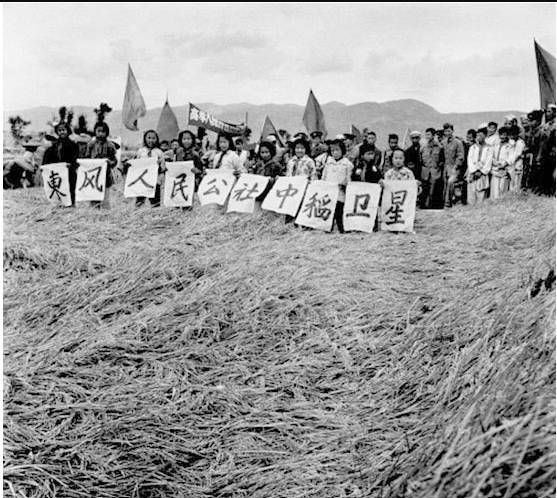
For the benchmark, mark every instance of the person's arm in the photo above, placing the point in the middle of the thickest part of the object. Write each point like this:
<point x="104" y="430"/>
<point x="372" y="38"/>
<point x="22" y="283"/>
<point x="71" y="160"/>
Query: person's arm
<point x="111" y="160"/>
<point x="459" y="161"/>
<point x="485" y="168"/>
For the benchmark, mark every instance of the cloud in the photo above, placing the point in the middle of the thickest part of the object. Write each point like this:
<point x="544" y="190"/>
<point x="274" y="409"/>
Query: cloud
<point x="327" y="64"/>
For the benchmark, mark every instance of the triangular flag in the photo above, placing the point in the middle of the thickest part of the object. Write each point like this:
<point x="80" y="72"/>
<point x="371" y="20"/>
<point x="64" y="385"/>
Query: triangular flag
<point x="546" y="75"/>
<point x="134" y="105"/>
<point x="167" y="128"/>
<point x="357" y="134"/>
<point x="406" y="142"/>
<point x="314" y="119"/>
<point x="269" y="129"/>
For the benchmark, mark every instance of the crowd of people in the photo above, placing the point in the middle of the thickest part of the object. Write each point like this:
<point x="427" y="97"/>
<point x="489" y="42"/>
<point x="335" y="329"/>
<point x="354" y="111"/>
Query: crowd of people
<point x="488" y="162"/>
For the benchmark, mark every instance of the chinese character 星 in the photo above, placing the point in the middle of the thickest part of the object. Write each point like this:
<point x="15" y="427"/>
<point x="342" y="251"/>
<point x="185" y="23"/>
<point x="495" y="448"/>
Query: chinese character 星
<point x="395" y="211"/>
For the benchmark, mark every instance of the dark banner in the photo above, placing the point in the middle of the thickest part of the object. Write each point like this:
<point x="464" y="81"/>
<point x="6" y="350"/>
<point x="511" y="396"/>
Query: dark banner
<point x="197" y="117"/>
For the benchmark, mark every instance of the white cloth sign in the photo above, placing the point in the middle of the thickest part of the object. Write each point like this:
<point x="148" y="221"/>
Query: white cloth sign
<point x="286" y="195"/>
<point x="141" y="180"/>
<point x="245" y="191"/>
<point x="57" y="184"/>
<point x="215" y="187"/>
<point x="179" y="184"/>
<point x="398" y="205"/>
<point x="360" y="206"/>
<point x="318" y="206"/>
<point x="91" y="180"/>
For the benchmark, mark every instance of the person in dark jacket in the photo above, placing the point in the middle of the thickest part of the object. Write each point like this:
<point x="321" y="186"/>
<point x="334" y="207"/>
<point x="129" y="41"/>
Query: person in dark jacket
<point x="367" y="167"/>
<point x="412" y="155"/>
<point x="64" y="150"/>
<point x="187" y="152"/>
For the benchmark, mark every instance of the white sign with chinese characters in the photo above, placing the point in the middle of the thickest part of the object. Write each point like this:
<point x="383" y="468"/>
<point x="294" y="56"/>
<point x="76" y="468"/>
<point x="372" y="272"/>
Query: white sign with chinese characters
<point x="141" y="179"/>
<point x="360" y="206"/>
<point x="398" y="205"/>
<point x="91" y="180"/>
<point x="245" y="191"/>
<point x="318" y="206"/>
<point x="215" y="187"/>
<point x="286" y="195"/>
<point x="179" y="184"/>
<point x="57" y="184"/>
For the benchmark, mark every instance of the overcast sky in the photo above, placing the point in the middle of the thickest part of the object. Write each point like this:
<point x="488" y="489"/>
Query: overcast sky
<point x="455" y="57"/>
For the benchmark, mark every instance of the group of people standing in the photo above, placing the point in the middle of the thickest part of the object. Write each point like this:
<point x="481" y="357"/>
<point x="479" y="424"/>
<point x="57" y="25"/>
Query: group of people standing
<point x="488" y="162"/>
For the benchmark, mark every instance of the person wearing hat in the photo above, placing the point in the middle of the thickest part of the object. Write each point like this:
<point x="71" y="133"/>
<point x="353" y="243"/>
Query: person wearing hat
<point x="20" y="171"/>
<point x="317" y="145"/>
<point x="64" y="150"/>
<point x="412" y="155"/>
<point x="480" y="158"/>
<point x="301" y="135"/>
<point x="352" y="151"/>
<point x="453" y="154"/>
<point x="102" y="148"/>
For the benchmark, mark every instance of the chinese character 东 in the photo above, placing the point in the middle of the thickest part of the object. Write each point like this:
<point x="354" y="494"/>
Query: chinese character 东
<point x="316" y="207"/>
<point x="55" y="182"/>
<point x="93" y="180"/>
<point x="251" y="193"/>
<point x="395" y="212"/>
<point x="289" y="191"/>
<point x="361" y="201"/>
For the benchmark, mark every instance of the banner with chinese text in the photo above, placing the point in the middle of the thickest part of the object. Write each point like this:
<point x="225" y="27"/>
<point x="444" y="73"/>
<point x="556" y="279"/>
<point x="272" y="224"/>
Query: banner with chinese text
<point x="215" y="187"/>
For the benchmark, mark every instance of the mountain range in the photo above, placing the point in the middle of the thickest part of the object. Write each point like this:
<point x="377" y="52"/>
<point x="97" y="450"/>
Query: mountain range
<point x="394" y="116"/>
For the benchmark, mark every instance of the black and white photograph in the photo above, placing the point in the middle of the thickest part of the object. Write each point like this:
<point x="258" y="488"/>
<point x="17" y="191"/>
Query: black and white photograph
<point x="279" y="250"/>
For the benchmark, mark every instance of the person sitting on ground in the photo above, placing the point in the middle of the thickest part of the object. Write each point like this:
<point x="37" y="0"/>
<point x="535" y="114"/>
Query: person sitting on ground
<point x="21" y="170"/>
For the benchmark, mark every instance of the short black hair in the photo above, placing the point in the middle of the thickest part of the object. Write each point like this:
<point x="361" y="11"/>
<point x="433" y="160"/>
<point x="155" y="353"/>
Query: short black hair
<point x="303" y="142"/>
<point x="472" y="132"/>
<point x="393" y="136"/>
<point x="165" y="142"/>
<point x="430" y="130"/>
<point x="504" y="130"/>
<point x="340" y="144"/>
<point x="492" y="123"/>
<point x="157" y="143"/>
<point x="372" y="133"/>
<point x="269" y="146"/>
<point x="396" y="150"/>
<point x="186" y="132"/>
<point x="227" y="137"/>
<point x="448" y="125"/>
<point x="103" y="126"/>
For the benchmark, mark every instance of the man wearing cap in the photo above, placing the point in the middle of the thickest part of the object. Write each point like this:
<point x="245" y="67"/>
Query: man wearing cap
<point x="64" y="150"/>
<point x="431" y="172"/>
<point x="351" y="149"/>
<point x="317" y="145"/>
<point x="453" y="152"/>
<point x="480" y="158"/>
<point x="412" y="155"/>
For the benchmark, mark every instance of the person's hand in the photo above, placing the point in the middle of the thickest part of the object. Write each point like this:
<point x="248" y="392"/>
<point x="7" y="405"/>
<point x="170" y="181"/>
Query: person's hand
<point x="381" y="182"/>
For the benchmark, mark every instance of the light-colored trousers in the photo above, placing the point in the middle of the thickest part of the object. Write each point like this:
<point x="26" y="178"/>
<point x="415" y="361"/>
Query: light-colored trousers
<point x="499" y="185"/>
<point x="516" y="181"/>
<point x="475" y="196"/>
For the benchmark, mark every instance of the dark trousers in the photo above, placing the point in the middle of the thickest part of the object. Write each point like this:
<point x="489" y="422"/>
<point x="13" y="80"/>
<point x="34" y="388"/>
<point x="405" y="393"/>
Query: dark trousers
<point x="339" y="210"/>
<point x="155" y="201"/>
<point x="72" y="178"/>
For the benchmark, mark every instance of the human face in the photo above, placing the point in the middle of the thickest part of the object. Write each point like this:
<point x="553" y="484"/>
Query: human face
<point x="265" y="153"/>
<point x="448" y="132"/>
<point x="187" y="141"/>
<point x="470" y="138"/>
<point x="336" y="152"/>
<point x="398" y="159"/>
<point x="150" y="140"/>
<point x="504" y="137"/>
<point x="300" y="150"/>
<point x="174" y="145"/>
<point x="491" y="130"/>
<point x="316" y="140"/>
<point x="239" y="145"/>
<point x="100" y="133"/>
<point x="223" y="144"/>
<point x="480" y="137"/>
<point x="165" y="146"/>
<point x="428" y="136"/>
<point x="62" y="132"/>
<point x="368" y="156"/>
<point x="348" y="142"/>
<point x="371" y="139"/>
<point x="415" y="140"/>
<point x="393" y="143"/>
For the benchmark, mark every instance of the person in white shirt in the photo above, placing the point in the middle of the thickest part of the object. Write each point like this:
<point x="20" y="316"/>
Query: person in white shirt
<point x="480" y="157"/>
<point x="492" y="135"/>
<point x="240" y="151"/>
<point x="226" y="158"/>
<point x="517" y="162"/>
<point x="503" y="158"/>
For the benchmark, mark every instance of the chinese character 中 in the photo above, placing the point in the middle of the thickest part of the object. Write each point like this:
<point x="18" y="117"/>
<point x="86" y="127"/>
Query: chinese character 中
<point x="140" y="178"/>
<point x="289" y="191"/>
<point x="361" y="201"/>
<point x="395" y="211"/>
<point x="93" y="180"/>
<point x="55" y="182"/>
<point x="316" y="207"/>
<point x="179" y="186"/>
<point x="251" y="193"/>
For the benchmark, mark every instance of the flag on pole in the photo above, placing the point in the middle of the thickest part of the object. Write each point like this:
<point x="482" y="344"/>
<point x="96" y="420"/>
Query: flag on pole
<point x="167" y="127"/>
<point x="269" y="129"/>
<point x="314" y="119"/>
<point x="406" y="142"/>
<point x="134" y="105"/>
<point x="546" y="75"/>
<point x="357" y="134"/>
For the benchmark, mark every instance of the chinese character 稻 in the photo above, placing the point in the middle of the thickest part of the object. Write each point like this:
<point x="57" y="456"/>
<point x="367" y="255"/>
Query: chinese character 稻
<point x="316" y="207"/>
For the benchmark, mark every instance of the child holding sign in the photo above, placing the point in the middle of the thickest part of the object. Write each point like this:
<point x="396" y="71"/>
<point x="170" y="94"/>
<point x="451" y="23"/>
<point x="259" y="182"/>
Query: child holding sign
<point x="187" y="152"/>
<point x="338" y="169"/>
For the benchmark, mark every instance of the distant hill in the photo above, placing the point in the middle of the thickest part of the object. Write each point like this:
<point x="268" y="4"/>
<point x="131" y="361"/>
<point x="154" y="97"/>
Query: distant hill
<point x="384" y="118"/>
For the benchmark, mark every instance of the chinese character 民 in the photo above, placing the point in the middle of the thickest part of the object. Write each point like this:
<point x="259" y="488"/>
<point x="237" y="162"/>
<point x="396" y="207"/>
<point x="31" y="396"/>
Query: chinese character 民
<point x="251" y="193"/>
<point x="93" y="180"/>
<point x="316" y="207"/>
<point x="361" y="201"/>
<point x="54" y="182"/>
<point x="140" y="178"/>
<point x="289" y="191"/>
<point x="395" y="211"/>
<point x="179" y="186"/>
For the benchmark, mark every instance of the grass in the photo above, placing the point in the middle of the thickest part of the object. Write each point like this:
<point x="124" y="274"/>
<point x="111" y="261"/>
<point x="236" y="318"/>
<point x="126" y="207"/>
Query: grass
<point x="160" y="352"/>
